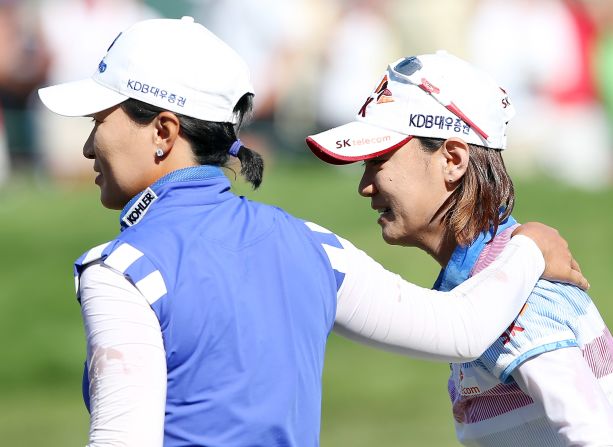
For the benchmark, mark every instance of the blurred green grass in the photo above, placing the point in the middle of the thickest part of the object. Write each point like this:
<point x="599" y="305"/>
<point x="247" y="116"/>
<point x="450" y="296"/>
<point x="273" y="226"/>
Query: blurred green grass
<point x="370" y="397"/>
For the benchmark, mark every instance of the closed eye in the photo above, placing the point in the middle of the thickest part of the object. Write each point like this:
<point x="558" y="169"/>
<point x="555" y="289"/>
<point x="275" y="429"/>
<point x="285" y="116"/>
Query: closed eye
<point x="373" y="162"/>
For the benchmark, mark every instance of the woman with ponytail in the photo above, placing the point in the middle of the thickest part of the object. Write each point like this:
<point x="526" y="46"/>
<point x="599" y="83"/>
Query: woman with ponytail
<point x="206" y="318"/>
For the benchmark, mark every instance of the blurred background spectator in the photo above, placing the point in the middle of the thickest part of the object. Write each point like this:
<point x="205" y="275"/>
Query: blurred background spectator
<point x="309" y="57"/>
<point x="23" y="66"/>
<point x="543" y="53"/>
<point x="361" y="43"/>
<point x="601" y="13"/>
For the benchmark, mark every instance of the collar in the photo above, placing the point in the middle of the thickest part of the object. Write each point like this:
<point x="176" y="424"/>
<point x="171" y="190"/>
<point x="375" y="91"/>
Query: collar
<point x="138" y="206"/>
<point x="463" y="258"/>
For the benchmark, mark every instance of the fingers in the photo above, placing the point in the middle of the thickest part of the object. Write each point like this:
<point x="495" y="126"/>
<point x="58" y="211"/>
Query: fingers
<point x="575" y="265"/>
<point x="559" y="262"/>
<point x="570" y="276"/>
<point x="579" y="280"/>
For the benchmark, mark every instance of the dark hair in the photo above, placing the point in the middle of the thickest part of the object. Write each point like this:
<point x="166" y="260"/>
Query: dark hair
<point x="484" y="197"/>
<point x="209" y="140"/>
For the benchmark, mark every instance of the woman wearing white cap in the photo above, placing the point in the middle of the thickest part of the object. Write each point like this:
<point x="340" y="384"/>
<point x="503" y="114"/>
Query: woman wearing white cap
<point x="207" y="317"/>
<point x="431" y="137"/>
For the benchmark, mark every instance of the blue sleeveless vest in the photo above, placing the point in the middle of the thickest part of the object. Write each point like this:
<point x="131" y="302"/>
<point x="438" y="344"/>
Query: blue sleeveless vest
<point x="245" y="296"/>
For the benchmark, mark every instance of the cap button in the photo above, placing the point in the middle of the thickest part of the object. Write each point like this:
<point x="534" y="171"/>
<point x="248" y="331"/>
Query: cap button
<point x="187" y="19"/>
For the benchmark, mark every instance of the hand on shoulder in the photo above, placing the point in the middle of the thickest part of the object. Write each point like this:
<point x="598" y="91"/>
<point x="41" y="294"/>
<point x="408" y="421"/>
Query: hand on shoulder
<point x="559" y="262"/>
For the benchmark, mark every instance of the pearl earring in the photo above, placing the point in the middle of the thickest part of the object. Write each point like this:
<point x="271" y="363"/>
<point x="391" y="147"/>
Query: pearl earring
<point x="159" y="152"/>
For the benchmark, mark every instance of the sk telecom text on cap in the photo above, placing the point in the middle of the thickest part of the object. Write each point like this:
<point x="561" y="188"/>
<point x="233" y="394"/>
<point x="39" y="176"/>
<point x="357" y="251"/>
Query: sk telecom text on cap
<point x="432" y="95"/>
<point x="177" y="65"/>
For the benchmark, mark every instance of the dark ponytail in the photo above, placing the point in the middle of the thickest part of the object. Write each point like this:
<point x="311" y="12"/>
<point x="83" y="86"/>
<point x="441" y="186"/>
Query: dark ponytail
<point x="209" y="140"/>
<point x="252" y="166"/>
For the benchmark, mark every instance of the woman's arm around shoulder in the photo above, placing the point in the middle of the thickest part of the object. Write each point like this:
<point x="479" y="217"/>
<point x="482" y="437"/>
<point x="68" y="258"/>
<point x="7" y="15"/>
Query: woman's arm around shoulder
<point x="381" y="309"/>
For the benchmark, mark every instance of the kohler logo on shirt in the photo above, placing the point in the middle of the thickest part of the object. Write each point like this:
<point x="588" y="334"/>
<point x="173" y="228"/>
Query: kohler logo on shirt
<point x="139" y="208"/>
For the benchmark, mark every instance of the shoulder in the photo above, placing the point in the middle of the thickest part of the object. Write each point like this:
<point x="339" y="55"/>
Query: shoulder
<point x="127" y="260"/>
<point x="555" y="316"/>
<point x="323" y="235"/>
<point x="560" y="298"/>
<point x="338" y="249"/>
<point x="569" y="306"/>
<point x="553" y="310"/>
<point x="344" y="259"/>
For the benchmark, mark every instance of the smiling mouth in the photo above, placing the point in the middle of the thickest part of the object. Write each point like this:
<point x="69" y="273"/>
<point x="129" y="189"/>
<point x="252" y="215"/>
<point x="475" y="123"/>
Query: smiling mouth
<point x="384" y="214"/>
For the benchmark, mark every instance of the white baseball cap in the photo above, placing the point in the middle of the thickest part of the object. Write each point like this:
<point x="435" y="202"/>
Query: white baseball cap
<point x="432" y="95"/>
<point x="177" y="65"/>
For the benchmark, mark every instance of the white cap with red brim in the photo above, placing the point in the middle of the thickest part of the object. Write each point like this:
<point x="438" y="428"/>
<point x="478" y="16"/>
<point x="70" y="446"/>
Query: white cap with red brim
<point x="433" y="95"/>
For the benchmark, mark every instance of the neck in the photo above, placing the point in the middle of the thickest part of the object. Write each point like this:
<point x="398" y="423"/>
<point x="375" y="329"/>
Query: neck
<point x="445" y="249"/>
<point x="440" y="246"/>
<point x="436" y="240"/>
<point x="439" y="242"/>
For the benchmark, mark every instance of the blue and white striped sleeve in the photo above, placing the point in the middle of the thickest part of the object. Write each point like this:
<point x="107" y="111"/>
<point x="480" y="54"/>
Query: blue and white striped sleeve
<point x="128" y="261"/>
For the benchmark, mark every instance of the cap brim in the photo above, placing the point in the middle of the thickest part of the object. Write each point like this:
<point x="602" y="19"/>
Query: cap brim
<point x="79" y="98"/>
<point x="353" y="142"/>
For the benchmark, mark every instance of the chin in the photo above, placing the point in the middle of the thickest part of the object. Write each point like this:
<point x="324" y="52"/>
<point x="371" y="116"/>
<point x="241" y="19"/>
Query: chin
<point x="390" y="239"/>
<point x="398" y="239"/>
<point x="110" y="202"/>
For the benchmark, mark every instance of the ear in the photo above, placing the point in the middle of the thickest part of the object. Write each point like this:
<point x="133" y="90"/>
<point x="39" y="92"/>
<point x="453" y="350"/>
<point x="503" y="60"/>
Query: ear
<point x="167" y="127"/>
<point x="456" y="154"/>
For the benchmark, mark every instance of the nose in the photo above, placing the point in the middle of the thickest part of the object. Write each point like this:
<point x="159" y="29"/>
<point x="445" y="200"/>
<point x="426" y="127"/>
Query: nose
<point x="367" y="187"/>
<point x="88" y="147"/>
